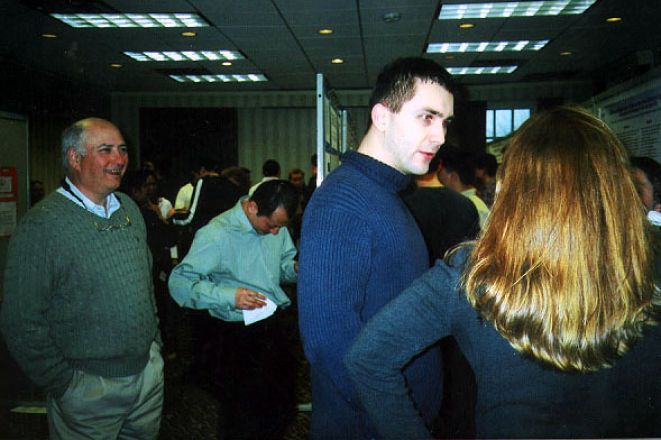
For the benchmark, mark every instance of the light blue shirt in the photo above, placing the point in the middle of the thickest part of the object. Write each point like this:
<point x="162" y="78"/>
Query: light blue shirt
<point x="226" y="254"/>
<point x="112" y="202"/>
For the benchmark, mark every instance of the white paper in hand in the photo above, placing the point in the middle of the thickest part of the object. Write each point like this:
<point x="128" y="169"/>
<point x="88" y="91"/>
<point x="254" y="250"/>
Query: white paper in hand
<point x="252" y="316"/>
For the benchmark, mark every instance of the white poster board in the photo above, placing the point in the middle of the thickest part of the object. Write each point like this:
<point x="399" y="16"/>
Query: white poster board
<point x="332" y="133"/>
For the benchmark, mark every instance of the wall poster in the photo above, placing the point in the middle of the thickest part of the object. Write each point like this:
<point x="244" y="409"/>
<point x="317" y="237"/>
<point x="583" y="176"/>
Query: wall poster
<point x="635" y="116"/>
<point x="8" y="199"/>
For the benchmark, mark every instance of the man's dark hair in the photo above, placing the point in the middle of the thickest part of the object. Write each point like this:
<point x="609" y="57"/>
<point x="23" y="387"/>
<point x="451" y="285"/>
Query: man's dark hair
<point x="239" y="176"/>
<point x="296" y="171"/>
<point x="460" y="162"/>
<point x="395" y="84"/>
<point x="271" y="168"/>
<point x="274" y="194"/>
<point x="209" y="163"/>
<point x="652" y="170"/>
<point x="135" y="180"/>
<point x="487" y="162"/>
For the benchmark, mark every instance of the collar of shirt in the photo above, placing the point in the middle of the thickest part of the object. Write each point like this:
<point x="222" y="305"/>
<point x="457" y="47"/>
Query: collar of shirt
<point x="241" y="219"/>
<point x="112" y="202"/>
<point x="470" y="192"/>
<point x="654" y="217"/>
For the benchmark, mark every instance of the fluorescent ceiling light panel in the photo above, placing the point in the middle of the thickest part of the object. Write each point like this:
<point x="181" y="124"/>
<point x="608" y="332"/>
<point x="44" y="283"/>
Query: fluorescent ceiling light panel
<point x="132" y="20"/>
<point x="482" y="46"/>
<point x="490" y="70"/>
<point x="251" y="77"/>
<point x="188" y="55"/>
<point x="459" y="11"/>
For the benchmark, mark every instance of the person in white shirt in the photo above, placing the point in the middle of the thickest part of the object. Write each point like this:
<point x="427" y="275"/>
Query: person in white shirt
<point x="270" y="170"/>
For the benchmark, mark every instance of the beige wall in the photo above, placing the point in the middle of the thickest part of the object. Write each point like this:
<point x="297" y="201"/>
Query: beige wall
<point x="271" y="125"/>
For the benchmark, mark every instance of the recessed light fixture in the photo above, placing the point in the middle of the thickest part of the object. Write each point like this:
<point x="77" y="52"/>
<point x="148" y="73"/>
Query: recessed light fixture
<point x="391" y="17"/>
<point x="186" y="55"/>
<point x="188" y="34"/>
<point x="565" y="53"/>
<point x="614" y="19"/>
<point x="226" y="63"/>
<point x="326" y="31"/>
<point x="491" y="70"/>
<point x="147" y="20"/>
<point x="115" y="65"/>
<point x="251" y="77"/>
<point x="49" y="35"/>
<point x="466" y="25"/>
<point x="492" y="46"/>
<point x="459" y="11"/>
<point x="337" y="61"/>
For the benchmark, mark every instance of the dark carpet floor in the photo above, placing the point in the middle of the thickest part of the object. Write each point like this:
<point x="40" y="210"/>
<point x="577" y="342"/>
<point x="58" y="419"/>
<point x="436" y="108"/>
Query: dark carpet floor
<point x="191" y="409"/>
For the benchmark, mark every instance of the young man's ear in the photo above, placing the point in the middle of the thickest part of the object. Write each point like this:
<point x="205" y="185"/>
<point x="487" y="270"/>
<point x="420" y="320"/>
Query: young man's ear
<point x="380" y="116"/>
<point x="252" y="207"/>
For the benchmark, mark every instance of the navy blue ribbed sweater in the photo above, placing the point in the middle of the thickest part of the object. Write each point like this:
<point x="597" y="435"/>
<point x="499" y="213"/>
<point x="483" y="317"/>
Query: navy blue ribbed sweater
<point x="360" y="247"/>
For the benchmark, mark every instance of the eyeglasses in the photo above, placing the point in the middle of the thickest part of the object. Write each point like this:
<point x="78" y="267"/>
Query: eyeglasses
<point x="122" y="225"/>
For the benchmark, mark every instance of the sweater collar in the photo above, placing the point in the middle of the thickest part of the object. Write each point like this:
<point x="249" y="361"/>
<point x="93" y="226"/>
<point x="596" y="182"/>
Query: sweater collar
<point x="384" y="175"/>
<point x="71" y="192"/>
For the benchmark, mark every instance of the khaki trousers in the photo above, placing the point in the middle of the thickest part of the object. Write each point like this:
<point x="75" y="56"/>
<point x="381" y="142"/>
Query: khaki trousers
<point x="95" y="407"/>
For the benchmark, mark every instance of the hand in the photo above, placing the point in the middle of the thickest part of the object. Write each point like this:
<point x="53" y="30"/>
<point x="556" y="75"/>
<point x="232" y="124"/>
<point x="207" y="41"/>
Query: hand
<point x="246" y="299"/>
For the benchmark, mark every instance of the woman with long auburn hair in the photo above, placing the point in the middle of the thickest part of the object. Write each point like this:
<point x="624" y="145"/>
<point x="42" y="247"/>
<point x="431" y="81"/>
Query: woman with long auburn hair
<point x="555" y="306"/>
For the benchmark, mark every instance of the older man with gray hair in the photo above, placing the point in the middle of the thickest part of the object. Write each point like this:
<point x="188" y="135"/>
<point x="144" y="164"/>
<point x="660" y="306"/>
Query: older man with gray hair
<point x="79" y="315"/>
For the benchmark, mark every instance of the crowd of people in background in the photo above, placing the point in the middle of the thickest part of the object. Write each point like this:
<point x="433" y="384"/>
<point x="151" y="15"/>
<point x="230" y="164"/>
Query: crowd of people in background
<point x="471" y="300"/>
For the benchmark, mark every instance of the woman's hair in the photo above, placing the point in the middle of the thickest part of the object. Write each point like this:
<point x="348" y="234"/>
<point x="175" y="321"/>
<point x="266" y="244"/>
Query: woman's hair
<point x="564" y="268"/>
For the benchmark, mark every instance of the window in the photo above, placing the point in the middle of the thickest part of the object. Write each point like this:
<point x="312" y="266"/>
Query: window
<point x="502" y="122"/>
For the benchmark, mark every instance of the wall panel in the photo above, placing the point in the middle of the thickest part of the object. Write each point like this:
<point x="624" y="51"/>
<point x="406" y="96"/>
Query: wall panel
<point x="50" y="103"/>
<point x="286" y="135"/>
<point x="277" y="125"/>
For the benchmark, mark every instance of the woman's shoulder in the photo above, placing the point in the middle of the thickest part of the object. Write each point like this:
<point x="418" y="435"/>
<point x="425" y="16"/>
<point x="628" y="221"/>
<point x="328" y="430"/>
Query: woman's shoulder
<point x="453" y="264"/>
<point x="445" y="274"/>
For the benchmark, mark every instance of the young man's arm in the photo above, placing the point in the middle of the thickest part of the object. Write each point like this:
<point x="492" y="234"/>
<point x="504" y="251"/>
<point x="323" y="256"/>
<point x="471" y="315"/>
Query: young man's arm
<point x="334" y="271"/>
<point x="288" y="269"/>
<point x="191" y="284"/>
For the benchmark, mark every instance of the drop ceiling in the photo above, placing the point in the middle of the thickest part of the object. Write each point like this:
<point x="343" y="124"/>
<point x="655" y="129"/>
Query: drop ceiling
<point x="280" y="39"/>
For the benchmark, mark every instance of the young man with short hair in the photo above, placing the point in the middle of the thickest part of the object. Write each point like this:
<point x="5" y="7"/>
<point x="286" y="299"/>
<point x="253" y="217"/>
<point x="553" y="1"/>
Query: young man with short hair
<point x="360" y="246"/>
<point x="237" y="262"/>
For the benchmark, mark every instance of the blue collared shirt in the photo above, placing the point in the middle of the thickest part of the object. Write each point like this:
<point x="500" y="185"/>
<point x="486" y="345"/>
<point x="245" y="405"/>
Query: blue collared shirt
<point x="226" y="254"/>
<point x="112" y="202"/>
